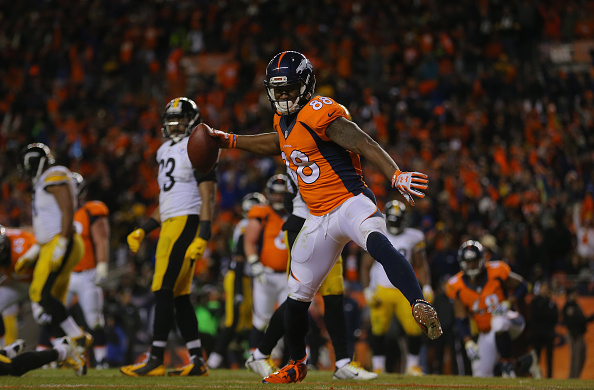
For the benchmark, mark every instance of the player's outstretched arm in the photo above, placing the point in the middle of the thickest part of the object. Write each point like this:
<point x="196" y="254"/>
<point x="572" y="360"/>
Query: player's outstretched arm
<point x="348" y="135"/>
<point x="266" y="144"/>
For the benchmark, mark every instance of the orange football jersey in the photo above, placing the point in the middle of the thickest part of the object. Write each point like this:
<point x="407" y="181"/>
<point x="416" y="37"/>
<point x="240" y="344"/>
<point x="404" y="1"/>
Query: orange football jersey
<point x="273" y="250"/>
<point x="20" y="242"/>
<point x="83" y="219"/>
<point x="481" y="301"/>
<point x="328" y="174"/>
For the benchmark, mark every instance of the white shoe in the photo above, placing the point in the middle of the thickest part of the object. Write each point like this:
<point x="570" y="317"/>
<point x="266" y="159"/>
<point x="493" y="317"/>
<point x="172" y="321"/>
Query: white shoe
<point x="14" y="348"/>
<point x="414" y="371"/>
<point x="214" y="361"/>
<point x="353" y="370"/>
<point x="426" y="317"/>
<point x="73" y="359"/>
<point x="262" y="367"/>
<point x="534" y="367"/>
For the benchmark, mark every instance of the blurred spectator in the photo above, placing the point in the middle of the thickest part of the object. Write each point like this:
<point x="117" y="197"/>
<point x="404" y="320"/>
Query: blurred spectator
<point x="576" y="323"/>
<point x="544" y="316"/>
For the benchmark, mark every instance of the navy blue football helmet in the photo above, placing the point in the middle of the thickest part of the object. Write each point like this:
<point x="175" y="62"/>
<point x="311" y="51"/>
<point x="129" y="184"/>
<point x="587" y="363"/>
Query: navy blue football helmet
<point x="471" y="250"/>
<point x="288" y="68"/>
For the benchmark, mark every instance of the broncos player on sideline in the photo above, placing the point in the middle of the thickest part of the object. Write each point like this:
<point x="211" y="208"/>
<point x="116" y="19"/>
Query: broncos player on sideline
<point x="332" y="291"/>
<point x="54" y="204"/>
<point x="481" y="291"/>
<point x="92" y="223"/>
<point x="238" y="287"/>
<point x="186" y="206"/>
<point x="318" y="142"/>
<point x="385" y="300"/>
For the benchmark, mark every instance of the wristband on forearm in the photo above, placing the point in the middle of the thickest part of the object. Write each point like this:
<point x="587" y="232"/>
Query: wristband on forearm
<point x="204" y="231"/>
<point x="150" y="225"/>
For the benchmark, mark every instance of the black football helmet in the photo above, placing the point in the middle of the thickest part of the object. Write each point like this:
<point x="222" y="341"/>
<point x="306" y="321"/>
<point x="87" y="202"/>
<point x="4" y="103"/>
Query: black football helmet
<point x="395" y="216"/>
<point x="287" y="68"/>
<point x="180" y="111"/>
<point x="36" y="158"/>
<point x="81" y="184"/>
<point x="276" y="187"/>
<point x="4" y="248"/>
<point x="251" y="199"/>
<point x="469" y="251"/>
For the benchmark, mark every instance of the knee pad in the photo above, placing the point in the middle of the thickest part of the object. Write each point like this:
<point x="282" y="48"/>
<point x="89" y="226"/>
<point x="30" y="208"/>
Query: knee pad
<point x="371" y="225"/>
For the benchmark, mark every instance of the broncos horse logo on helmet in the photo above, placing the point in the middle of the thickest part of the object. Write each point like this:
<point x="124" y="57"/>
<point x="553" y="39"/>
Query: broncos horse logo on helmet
<point x="286" y="69"/>
<point x="180" y="116"/>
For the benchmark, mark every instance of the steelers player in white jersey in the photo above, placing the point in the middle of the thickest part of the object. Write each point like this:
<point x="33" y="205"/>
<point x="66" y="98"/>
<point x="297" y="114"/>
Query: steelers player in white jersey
<point x="186" y="202"/>
<point x="54" y="203"/>
<point x="238" y="287"/>
<point x="385" y="300"/>
<point x="332" y="291"/>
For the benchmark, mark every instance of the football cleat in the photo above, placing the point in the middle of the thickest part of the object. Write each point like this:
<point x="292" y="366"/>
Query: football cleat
<point x="291" y="373"/>
<point x="83" y="346"/>
<point x="426" y="317"/>
<point x="262" y="367"/>
<point x="151" y="366"/>
<point x="197" y="367"/>
<point x="14" y="348"/>
<point x="353" y="370"/>
<point x="414" y="371"/>
<point x="73" y="359"/>
<point x="507" y="370"/>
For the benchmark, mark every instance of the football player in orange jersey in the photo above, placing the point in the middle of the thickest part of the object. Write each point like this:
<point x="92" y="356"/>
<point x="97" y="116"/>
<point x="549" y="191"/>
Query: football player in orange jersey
<point x="481" y="291"/>
<point x="267" y="255"/>
<point x="318" y="142"/>
<point x="15" y="244"/>
<point x="92" y="223"/>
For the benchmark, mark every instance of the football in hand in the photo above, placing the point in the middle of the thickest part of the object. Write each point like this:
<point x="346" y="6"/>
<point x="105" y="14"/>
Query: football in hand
<point x="202" y="149"/>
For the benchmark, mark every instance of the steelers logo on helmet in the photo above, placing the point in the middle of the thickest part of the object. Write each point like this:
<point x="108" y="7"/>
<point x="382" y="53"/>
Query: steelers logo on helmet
<point x="181" y="115"/>
<point x="250" y="200"/>
<point x="395" y="216"/>
<point x="36" y="158"/>
<point x="4" y="248"/>
<point x="471" y="258"/>
<point x="289" y="73"/>
<point x="275" y="191"/>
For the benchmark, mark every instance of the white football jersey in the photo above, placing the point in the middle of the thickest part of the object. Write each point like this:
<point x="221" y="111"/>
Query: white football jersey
<point x="405" y="243"/>
<point x="299" y="207"/>
<point x="179" y="194"/>
<point x="47" y="216"/>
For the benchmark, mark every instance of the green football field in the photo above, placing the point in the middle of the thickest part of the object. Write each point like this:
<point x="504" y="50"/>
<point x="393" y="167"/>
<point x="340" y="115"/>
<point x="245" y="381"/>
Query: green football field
<point x="241" y="379"/>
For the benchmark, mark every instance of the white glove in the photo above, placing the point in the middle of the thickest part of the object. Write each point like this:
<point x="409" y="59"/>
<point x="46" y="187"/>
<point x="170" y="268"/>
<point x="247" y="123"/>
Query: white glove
<point x="370" y="297"/>
<point x="101" y="272"/>
<point x="501" y="309"/>
<point x="40" y="316"/>
<point x="27" y="259"/>
<point x="259" y="271"/>
<point x="58" y="253"/>
<point x="472" y="350"/>
<point x="409" y="184"/>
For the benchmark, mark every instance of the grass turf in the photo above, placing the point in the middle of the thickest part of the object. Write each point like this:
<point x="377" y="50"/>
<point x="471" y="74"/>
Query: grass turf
<point x="242" y="379"/>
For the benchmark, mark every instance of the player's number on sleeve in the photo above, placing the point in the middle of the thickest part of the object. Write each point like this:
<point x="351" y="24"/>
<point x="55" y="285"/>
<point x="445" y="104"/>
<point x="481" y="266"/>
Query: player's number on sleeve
<point x="169" y="166"/>
<point x="308" y="172"/>
<point x="318" y="103"/>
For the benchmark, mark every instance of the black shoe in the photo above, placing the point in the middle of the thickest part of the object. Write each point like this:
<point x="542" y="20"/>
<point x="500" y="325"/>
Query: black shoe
<point x="197" y="367"/>
<point x="152" y="366"/>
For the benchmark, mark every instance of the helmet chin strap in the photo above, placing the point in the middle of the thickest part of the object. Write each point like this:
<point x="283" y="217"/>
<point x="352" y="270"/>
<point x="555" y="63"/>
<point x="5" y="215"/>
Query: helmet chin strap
<point x="39" y="170"/>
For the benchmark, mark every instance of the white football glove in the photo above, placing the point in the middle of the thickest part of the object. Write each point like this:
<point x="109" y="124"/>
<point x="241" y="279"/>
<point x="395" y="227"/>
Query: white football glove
<point x="472" y="350"/>
<point x="101" y="272"/>
<point x="40" y="316"/>
<point x="409" y="184"/>
<point x="501" y="309"/>
<point x="58" y="253"/>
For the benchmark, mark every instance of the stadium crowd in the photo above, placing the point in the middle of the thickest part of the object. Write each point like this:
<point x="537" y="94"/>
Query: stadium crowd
<point x="455" y="89"/>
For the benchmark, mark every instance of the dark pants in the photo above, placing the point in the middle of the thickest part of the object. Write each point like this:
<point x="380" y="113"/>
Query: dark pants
<point x="547" y="343"/>
<point x="578" y="355"/>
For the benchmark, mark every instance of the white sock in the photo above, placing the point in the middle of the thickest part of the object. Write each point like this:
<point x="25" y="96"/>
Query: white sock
<point x="259" y="355"/>
<point x="379" y="362"/>
<point x="342" y="362"/>
<point x="412" y="360"/>
<point x="71" y="329"/>
<point x="62" y="351"/>
<point x="214" y="360"/>
<point x="100" y="353"/>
